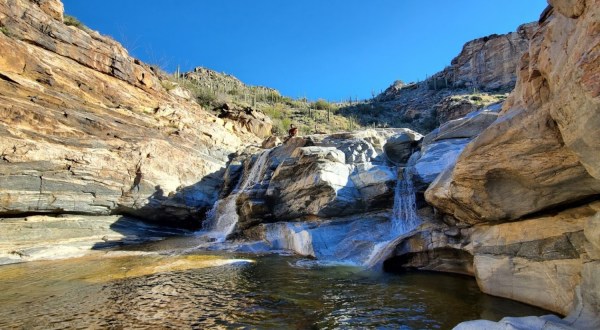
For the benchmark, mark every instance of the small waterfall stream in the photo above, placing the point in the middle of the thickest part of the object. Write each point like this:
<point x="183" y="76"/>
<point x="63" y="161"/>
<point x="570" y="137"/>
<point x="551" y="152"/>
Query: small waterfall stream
<point x="404" y="217"/>
<point x="357" y="242"/>
<point x="222" y="217"/>
<point x="361" y="242"/>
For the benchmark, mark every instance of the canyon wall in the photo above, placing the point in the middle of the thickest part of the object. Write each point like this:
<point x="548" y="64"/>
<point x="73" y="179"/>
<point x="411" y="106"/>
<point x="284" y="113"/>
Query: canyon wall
<point x="522" y="198"/>
<point x="482" y="74"/>
<point x="87" y="129"/>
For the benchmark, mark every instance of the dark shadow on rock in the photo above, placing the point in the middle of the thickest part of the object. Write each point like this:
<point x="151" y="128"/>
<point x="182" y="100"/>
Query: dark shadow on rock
<point x="137" y="231"/>
<point x="186" y="208"/>
<point x="161" y="215"/>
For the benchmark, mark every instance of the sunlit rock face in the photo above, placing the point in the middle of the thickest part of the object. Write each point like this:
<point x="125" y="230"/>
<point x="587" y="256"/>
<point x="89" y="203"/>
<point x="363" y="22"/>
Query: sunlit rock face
<point x="522" y="196"/>
<point x="440" y="148"/>
<point x="490" y="63"/>
<point x="88" y="129"/>
<point x="543" y="151"/>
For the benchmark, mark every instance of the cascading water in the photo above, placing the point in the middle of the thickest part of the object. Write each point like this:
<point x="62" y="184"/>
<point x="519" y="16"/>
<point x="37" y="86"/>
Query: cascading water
<point x="404" y="216"/>
<point x="360" y="241"/>
<point x="222" y="217"/>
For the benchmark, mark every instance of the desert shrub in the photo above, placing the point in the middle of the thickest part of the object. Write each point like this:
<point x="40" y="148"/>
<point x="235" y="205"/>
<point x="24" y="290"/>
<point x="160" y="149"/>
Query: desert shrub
<point x="321" y="104"/>
<point x="204" y="96"/>
<point x="5" y="31"/>
<point x="72" y="21"/>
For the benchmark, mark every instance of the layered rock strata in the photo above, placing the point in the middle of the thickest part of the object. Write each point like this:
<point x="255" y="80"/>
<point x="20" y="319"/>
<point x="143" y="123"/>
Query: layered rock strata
<point x="87" y="129"/>
<point x="544" y="146"/>
<point x="521" y="198"/>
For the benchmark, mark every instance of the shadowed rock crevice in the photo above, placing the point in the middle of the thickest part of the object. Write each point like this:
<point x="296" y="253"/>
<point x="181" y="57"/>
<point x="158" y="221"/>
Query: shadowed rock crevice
<point x="440" y="260"/>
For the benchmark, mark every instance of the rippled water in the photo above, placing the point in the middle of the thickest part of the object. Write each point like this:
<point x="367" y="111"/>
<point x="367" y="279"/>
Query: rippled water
<point x="200" y="291"/>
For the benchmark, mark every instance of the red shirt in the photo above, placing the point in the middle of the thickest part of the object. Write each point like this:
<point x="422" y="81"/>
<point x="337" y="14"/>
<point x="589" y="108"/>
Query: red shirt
<point x="293" y="131"/>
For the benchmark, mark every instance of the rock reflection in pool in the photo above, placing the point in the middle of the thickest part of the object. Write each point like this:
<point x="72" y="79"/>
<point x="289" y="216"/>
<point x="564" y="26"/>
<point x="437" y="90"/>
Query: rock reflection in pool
<point x="217" y="291"/>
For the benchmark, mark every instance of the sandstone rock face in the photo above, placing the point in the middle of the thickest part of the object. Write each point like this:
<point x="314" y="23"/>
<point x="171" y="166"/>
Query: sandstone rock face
<point x="314" y="181"/>
<point x="545" y="144"/>
<point x="466" y="127"/>
<point x="54" y="8"/>
<point x="87" y="129"/>
<point x="490" y="63"/>
<point x="543" y="261"/>
<point x="443" y="145"/>
<point x="454" y="107"/>
<point x="537" y="261"/>
<point x="248" y="119"/>
<point x="435" y="158"/>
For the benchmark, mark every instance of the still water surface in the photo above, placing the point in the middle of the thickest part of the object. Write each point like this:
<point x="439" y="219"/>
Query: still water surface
<point x="197" y="290"/>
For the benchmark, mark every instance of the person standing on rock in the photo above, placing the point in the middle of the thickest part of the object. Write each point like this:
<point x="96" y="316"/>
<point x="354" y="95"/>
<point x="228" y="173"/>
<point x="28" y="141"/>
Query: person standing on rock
<point x="293" y="131"/>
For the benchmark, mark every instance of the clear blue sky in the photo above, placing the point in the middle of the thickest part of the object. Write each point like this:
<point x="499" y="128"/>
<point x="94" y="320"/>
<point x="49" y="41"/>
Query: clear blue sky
<point x="330" y="49"/>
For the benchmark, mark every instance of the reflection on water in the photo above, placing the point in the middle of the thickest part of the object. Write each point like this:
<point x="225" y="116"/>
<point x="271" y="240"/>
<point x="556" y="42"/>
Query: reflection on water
<point x="149" y="291"/>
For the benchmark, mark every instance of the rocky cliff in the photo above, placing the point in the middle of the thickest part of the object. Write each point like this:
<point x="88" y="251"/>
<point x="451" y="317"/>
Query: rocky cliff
<point x="480" y="75"/>
<point x="87" y="129"/>
<point x="522" y="198"/>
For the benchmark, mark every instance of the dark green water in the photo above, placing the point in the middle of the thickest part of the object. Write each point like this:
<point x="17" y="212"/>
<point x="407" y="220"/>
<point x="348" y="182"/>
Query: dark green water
<point x="199" y="291"/>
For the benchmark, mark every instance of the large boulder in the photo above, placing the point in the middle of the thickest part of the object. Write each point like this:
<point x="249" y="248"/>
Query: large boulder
<point x="314" y="181"/>
<point x="538" y="261"/>
<point x="247" y="119"/>
<point x="468" y="126"/>
<point x="435" y="158"/>
<point x="543" y="151"/>
<point x="549" y="260"/>
<point x="399" y="147"/>
<point x="442" y="146"/>
<point x="320" y="177"/>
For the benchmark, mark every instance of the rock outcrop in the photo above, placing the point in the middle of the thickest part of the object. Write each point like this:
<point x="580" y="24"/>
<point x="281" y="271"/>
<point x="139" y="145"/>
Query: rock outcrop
<point x="480" y="75"/>
<point x="442" y="146"/>
<point x="544" y="146"/>
<point x="522" y="196"/>
<point x="41" y="237"/>
<point x="247" y="119"/>
<point x="488" y="63"/>
<point x="87" y="129"/>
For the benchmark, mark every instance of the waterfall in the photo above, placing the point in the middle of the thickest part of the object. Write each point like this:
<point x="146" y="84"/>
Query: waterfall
<point x="404" y="216"/>
<point x="222" y="217"/>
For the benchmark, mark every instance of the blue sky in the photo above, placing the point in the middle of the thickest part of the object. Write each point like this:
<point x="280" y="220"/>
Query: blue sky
<point x="332" y="49"/>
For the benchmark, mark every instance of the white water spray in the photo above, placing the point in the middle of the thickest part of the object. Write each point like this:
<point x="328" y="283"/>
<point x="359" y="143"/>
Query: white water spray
<point x="222" y="217"/>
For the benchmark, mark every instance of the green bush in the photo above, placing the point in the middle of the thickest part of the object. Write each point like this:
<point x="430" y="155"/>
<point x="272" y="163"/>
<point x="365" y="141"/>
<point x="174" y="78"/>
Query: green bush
<point x="4" y="30"/>
<point x="275" y="112"/>
<point x="204" y="96"/>
<point x="322" y="105"/>
<point x="72" y="21"/>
